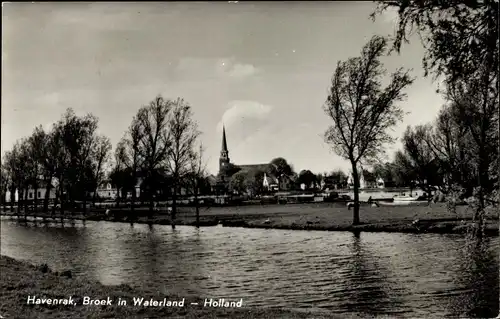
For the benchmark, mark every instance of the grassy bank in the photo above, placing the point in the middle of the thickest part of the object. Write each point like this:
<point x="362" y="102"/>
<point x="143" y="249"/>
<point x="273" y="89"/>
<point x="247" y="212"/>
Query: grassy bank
<point x="20" y="279"/>
<point x="434" y="218"/>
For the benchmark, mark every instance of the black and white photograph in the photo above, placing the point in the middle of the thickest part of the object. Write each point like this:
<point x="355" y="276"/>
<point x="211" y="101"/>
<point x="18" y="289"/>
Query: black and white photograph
<point x="250" y="159"/>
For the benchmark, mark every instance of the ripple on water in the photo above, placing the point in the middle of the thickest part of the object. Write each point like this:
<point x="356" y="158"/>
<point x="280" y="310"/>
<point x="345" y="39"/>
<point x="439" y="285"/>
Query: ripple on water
<point x="377" y="273"/>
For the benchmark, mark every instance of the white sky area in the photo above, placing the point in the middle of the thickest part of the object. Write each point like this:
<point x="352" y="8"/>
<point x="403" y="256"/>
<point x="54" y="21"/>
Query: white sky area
<point x="262" y="69"/>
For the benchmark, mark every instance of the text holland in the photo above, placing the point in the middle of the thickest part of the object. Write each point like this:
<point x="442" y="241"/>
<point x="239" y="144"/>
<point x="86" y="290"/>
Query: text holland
<point x="223" y="303"/>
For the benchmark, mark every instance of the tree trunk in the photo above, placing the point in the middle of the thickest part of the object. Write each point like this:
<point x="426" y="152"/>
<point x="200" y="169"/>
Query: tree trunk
<point x="355" y="216"/>
<point x="62" y="204"/>
<point x="84" y="203"/>
<point x="72" y="194"/>
<point x="35" y="189"/>
<point x="483" y="179"/>
<point x="56" y="200"/>
<point x="151" y="203"/>
<point x="13" y="198"/>
<point x="197" y="206"/>
<point x="132" y="204"/>
<point x="48" y="188"/>
<point x="118" y="196"/>
<point x="26" y="202"/>
<point x="94" y="196"/>
<point x="174" y="205"/>
<point x="20" y="196"/>
<point x="62" y="201"/>
<point x="134" y="193"/>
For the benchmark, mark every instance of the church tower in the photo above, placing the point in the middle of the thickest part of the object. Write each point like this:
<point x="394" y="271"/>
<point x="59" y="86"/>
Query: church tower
<point x="224" y="153"/>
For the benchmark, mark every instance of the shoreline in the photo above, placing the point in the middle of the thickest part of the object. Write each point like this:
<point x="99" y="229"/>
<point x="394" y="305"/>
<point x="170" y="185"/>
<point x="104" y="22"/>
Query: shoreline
<point x="317" y="217"/>
<point x="432" y="227"/>
<point x="436" y="226"/>
<point x="21" y="279"/>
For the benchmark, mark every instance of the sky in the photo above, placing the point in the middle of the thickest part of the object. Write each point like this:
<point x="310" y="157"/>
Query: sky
<point x="262" y="69"/>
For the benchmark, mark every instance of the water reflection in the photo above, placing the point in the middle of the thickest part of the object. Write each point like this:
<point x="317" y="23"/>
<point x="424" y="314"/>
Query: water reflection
<point x="368" y="274"/>
<point x="479" y="277"/>
<point x="367" y="286"/>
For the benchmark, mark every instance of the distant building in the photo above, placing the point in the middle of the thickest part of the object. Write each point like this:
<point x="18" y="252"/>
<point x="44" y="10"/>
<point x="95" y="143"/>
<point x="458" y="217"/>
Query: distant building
<point x="380" y="183"/>
<point x="364" y="181"/>
<point x="30" y="195"/>
<point x="228" y="169"/>
<point x="107" y="191"/>
<point x="270" y="183"/>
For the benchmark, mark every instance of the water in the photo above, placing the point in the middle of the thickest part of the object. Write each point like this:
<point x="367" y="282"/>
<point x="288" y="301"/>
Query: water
<point x="403" y="275"/>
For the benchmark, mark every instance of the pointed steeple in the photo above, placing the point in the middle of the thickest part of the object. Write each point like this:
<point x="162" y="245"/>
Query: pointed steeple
<point x="224" y="153"/>
<point x="224" y="142"/>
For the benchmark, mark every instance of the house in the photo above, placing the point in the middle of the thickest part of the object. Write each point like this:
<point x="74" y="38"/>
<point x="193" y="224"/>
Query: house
<point x="270" y="183"/>
<point x="41" y="192"/>
<point x="380" y="183"/>
<point x="366" y="179"/>
<point x="107" y="191"/>
<point x="362" y="182"/>
<point x="8" y="196"/>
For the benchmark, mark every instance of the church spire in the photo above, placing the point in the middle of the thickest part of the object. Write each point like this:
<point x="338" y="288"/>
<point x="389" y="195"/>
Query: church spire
<point x="224" y="153"/>
<point x="224" y="142"/>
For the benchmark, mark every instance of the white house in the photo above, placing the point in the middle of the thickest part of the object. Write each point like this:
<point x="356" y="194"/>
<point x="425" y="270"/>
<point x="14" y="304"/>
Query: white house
<point x="41" y="191"/>
<point x="269" y="183"/>
<point x="8" y="196"/>
<point x="31" y="194"/>
<point x="362" y="182"/>
<point x="380" y="183"/>
<point x="107" y="191"/>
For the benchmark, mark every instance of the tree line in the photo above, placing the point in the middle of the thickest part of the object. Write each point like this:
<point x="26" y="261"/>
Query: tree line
<point x="73" y="159"/>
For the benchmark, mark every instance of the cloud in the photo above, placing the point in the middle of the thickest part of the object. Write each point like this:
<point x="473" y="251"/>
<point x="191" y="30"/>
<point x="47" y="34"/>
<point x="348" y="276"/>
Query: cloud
<point x="242" y="70"/>
<point x="214" y="68"/>
<point x="100" y="17"/>
<point x="243" y="119"/>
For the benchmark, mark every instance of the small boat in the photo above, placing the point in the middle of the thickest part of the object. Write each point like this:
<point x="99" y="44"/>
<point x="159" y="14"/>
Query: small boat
<point x="405" y="199"/>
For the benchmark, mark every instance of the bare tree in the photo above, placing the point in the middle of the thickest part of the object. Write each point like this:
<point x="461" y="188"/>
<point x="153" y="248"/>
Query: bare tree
<point x="195" y="177"/>
<point x="451" y="143"/>
<point x="24" y="173"/>
<point x="183" y="133"/>
<point x="117" y="172"/>
<point x="155" y="142"/>
<point x="76" y="137"/>
<point x="421" y="156"/>
<point x="4" y="183"/>
<point x="478" y="105"/>
<point x="362" y="111"/>
<point x="50" y="164"/>
<point x="79" y="140"/>
<point x="37" y="146"/>
<point x="99" y="160"/>
<point x="404" y="171"/>
<point x="10" y="164"/>
<point x="59" y="164"/>
<point x="128" y="157"/>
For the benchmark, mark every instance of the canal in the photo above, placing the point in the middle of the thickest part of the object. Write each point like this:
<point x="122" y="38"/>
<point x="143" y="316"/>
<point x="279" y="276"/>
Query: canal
<point x="403" y="275"/>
